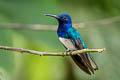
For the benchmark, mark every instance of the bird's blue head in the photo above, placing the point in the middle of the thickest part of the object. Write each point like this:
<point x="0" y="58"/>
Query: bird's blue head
<point x="63" y="18"/>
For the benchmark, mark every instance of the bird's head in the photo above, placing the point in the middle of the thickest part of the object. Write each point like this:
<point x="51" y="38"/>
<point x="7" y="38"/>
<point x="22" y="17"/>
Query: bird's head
<point x="63" y="18"/>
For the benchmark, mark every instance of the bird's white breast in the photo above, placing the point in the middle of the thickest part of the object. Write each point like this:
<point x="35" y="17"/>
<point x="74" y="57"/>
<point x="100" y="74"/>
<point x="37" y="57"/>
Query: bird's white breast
<point x="67" y="43"/>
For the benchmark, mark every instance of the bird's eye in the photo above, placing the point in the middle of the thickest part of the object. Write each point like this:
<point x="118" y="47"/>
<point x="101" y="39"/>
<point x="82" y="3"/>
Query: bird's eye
<point x="65" y="18"/>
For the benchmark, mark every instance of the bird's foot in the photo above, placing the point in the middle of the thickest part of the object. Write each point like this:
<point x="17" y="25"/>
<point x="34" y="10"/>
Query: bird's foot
<point x="68" y="52"/>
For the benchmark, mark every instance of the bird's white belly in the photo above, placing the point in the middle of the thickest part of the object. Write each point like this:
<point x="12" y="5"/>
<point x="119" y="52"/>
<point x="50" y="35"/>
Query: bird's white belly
<point x="67" y="43"/>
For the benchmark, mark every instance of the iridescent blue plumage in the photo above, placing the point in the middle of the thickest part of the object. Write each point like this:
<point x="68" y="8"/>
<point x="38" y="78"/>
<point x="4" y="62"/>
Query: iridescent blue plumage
<point x="72" y="40"/>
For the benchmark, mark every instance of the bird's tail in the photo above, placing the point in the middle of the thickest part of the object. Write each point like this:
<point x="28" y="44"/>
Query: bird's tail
<point x="86" y="64"/>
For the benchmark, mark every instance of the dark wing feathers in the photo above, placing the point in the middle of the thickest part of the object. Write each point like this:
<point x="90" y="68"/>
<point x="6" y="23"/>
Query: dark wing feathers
<point x="84" y="55"/>
<point x="83" y="60"/>
<point x="78" y="60"/>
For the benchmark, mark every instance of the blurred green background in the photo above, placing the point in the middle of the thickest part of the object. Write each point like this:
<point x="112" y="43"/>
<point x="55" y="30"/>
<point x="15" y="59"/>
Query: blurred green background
<point x="16" y="66"/>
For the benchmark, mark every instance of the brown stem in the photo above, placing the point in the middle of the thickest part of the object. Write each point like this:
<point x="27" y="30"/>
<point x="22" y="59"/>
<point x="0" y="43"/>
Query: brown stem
<point x="21" y="50"/>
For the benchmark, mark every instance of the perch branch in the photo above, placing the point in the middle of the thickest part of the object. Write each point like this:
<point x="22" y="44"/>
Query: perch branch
<point x="21" y="50"/>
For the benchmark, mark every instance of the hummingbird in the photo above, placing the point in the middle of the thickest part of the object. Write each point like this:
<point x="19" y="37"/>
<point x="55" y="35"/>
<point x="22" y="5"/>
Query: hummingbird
<point x="72" y="40"/>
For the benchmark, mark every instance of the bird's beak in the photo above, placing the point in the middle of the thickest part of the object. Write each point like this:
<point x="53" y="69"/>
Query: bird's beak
<point x="55" y="16"/>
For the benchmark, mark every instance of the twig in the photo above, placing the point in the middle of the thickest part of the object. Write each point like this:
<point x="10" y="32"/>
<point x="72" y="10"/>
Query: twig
<point x="54" y="27"/>
<point x="21" y="50"/>
<point x="29" y="27"/>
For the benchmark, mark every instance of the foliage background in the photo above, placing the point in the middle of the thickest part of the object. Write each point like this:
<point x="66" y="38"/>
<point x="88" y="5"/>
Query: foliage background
<point x="31" y="67"/>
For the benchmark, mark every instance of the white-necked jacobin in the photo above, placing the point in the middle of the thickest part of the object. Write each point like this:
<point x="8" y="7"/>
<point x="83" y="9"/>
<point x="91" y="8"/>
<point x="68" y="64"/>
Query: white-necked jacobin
<point x="72" y="40"/>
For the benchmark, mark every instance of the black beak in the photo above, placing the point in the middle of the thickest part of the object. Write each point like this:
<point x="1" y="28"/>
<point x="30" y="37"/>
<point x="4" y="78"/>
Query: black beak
<point x="55" y="16"/>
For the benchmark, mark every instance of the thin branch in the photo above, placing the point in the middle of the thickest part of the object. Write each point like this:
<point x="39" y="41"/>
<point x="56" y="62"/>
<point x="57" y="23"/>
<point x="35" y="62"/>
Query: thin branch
<point x="29" y="27"/>
<point x="54" y="27"/>
<point x="21" y="50"/>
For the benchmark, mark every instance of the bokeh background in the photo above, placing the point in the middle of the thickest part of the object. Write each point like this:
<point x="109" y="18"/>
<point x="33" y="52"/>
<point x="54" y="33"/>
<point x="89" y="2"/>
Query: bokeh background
<point x="17" y="66"/>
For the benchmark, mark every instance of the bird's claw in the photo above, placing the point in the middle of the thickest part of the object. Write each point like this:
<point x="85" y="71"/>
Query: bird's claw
<point x="68" y="52"/>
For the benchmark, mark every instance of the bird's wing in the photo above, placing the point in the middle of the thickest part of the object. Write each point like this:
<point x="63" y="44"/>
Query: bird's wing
<point x="85" y="60"/>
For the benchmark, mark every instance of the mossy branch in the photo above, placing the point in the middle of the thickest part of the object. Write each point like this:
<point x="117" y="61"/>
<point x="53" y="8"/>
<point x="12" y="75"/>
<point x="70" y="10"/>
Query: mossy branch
<point x="21" y="50"/>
